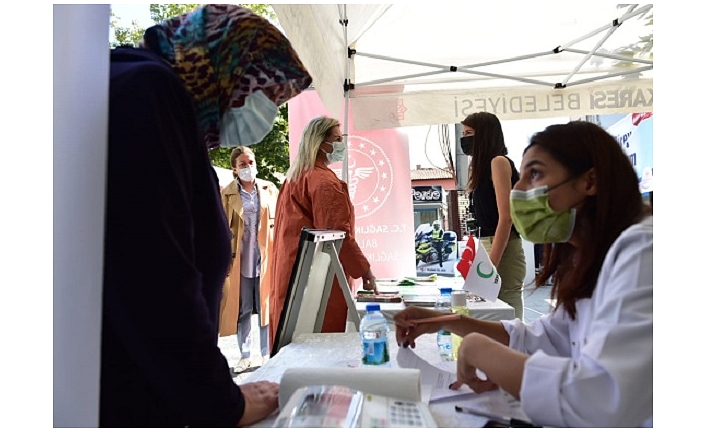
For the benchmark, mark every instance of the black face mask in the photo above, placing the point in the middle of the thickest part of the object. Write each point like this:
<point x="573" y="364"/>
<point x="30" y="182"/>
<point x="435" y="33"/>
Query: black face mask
<point x="467" y="145"/>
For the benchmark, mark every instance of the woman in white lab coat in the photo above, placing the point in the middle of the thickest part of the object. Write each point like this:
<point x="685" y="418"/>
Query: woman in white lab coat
<point x="589" y="362"/>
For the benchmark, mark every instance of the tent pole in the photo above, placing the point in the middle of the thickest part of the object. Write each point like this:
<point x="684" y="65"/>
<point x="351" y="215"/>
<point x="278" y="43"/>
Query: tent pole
<point x="598" y="44"/>
<point x="611" y="75"/>
<point x="611" y="56"/>
<point x="346" y="90"/>
<point x="631" y="13"/>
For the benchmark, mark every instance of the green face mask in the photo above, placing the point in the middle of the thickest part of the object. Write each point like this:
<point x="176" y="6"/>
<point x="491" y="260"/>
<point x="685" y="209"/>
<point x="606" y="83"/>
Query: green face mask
<point x="536" y="221"/>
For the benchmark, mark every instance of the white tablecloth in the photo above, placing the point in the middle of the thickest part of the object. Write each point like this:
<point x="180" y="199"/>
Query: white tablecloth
<point x="343" y="350"/>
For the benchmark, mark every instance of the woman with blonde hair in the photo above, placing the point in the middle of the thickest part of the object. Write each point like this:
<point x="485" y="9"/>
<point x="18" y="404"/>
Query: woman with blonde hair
<point x="249" y="205"/>
<point x="313" y="196"/>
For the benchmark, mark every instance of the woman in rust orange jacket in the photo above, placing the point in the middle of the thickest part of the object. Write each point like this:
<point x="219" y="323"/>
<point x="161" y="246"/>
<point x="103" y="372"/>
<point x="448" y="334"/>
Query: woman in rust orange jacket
<point x="313" y="196"/>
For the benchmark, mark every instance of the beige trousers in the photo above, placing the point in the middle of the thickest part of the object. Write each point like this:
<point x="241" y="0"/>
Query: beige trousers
<point x="512" y="270"/>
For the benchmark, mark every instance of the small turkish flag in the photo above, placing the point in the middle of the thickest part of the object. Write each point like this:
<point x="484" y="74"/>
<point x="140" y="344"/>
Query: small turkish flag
<point x="479" y="274"/>
<point x="467" y="256"/>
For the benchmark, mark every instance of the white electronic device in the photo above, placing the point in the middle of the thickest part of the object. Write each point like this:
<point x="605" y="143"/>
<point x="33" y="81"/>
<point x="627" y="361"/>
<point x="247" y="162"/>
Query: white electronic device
<point x="332" y="406"/>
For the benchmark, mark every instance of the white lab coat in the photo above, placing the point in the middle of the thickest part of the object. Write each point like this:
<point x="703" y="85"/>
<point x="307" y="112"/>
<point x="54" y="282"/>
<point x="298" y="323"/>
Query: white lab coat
<point x="595" y="371"/>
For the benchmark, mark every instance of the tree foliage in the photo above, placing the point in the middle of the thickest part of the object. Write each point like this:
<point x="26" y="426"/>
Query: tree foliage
<point x="643" y="47"/>
<point x="272" y="153"/>
<point x="160" y="12"/>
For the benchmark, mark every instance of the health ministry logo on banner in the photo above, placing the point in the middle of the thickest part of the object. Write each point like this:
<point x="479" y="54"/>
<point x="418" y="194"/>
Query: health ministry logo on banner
<point x="370" y="177"/>
<point x="479" y="273"/>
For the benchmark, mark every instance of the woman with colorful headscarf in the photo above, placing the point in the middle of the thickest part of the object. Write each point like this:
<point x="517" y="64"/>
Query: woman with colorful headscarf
<point x="208" y="78"/>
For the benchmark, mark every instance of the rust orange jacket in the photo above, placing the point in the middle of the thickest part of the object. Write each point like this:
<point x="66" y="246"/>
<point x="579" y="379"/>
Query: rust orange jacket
<point x="318" y="200"/>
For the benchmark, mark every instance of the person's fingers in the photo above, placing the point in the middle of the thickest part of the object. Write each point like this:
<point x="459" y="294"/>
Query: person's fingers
<point x="261" y="399"/>
<point x="406" y="333"/>
<point x="401" y="332"/>
<point x="267" y="388"/>
<point x="456" y="385"/>
<point x="467" y="374"/>
<point x="412" y="334"/>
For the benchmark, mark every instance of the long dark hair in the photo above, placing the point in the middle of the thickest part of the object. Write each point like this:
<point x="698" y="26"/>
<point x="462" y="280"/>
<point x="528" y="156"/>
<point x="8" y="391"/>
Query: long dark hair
<point x="580" y="146"/>
<point x="488" y="143"/>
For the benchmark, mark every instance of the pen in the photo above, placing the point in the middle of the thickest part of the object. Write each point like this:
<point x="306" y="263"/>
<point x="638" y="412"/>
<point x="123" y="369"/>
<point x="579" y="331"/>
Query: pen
<point x="444" y="318"/>
<point x="505" y="420"/>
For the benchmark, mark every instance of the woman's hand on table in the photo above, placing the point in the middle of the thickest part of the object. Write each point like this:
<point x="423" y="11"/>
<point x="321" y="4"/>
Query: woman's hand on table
<point x="406" y="332"/>
<point x="369" y="282"/>
<point x="261" y="399"/>
<point x="465" y="366"/>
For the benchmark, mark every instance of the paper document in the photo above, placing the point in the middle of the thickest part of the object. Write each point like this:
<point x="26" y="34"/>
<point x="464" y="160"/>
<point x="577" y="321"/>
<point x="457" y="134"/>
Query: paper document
<point x="499" y="403"/>
<point x="435" y="378"/>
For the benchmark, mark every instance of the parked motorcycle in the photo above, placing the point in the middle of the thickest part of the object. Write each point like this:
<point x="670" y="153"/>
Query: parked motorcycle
<point x="428" y="249"/>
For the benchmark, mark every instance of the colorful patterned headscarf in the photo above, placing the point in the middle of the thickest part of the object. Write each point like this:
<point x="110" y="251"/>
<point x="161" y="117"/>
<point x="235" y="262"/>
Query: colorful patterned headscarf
<point x="225" y="53"/>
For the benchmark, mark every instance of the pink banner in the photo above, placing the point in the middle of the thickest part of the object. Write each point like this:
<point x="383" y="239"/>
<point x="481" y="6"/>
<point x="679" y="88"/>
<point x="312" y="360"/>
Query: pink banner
<point x="379" y="185"/>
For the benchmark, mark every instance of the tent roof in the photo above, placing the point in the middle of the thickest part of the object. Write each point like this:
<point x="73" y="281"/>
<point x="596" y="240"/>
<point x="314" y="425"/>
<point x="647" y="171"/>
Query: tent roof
<point x="405" y="53"/>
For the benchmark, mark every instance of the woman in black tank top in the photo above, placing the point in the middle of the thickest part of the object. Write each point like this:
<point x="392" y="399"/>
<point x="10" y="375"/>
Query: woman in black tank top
<point x="491" y="176"/>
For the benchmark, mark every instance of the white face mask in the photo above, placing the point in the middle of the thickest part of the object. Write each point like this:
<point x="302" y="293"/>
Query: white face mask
<point x="250" y="123"/>
<point x="338" y="153"/>
<point x="247" y="174"/>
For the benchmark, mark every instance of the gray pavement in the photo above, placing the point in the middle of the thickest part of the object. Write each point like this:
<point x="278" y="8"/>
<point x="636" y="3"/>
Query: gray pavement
<point x="536" y="304"/>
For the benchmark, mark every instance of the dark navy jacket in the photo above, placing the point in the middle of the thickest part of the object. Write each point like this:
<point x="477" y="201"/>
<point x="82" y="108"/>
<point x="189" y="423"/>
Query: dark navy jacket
<point x="167" y="247"/>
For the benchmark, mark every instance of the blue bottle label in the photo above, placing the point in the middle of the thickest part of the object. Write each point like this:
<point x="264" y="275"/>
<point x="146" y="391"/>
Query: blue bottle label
<point x="375" y="351"/>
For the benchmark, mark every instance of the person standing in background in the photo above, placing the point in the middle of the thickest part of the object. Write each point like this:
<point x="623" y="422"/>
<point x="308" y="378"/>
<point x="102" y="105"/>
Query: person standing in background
<point x="313" y="196"/>
<point x="198" y="81"/>
<point x="249" y="204"/>
<point x="491" y="176"/>
<point x="437" y="240"/>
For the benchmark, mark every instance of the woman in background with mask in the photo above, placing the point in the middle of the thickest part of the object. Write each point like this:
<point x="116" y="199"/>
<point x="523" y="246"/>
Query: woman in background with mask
<point x="249" y="205"/>
<point x="313" y="196"/>
<point x="589" y="363"/>
<point x="491" y="175"/>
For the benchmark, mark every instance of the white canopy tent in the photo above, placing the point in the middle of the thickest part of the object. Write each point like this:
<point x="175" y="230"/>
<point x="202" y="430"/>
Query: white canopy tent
<point x="398" y="65"/>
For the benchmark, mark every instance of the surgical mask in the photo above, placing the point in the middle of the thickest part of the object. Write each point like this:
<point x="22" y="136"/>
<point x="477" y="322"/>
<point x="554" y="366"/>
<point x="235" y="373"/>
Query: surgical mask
<point x="250" y="123"/>
<point x="247" y="174"/>
<point x="467" y="145"/>
<point x="536" y="221"/>
<point x="338" y="153"/>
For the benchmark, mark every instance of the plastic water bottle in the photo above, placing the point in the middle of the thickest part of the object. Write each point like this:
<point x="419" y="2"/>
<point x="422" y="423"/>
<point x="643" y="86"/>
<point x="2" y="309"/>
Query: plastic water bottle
<point x="443" y="337"/>
<point x="458" y="306"/>
<point x="373" y="333"/>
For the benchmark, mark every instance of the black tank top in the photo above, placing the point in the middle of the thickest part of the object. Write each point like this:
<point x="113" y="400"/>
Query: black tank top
<point x="484" y="205"/>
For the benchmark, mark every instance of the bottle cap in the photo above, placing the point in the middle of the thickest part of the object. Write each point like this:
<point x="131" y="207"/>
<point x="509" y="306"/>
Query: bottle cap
<point x="445" y="290"/>
<point x="458" y="298"/>
<point x="372" y="307"/>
